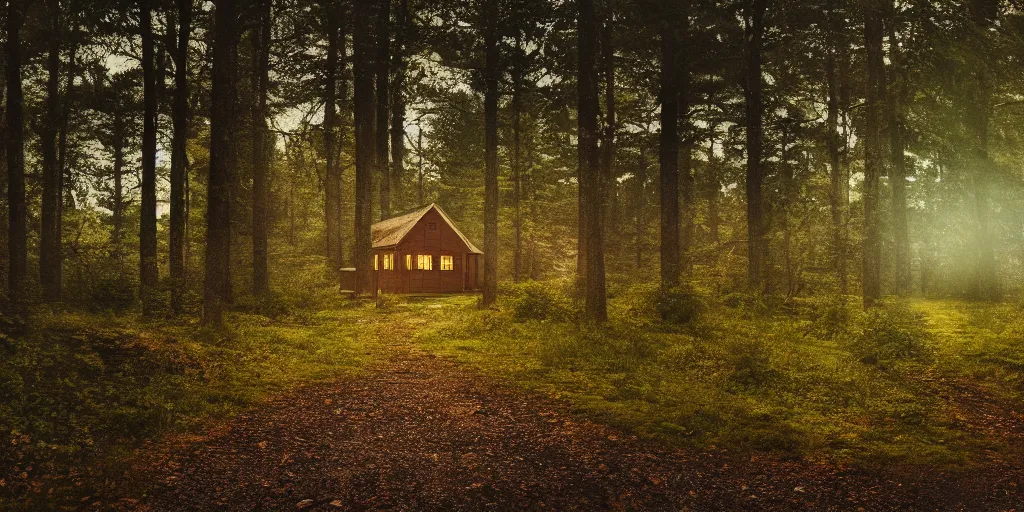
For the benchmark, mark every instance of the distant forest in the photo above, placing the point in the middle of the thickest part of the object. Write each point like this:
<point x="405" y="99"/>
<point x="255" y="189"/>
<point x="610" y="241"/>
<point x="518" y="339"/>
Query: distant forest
<point x="161" y="153"/>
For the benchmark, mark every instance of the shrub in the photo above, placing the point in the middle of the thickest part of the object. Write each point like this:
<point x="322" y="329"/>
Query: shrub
<point x="539" y="301"/>
<point x="680" y="305"/>
<point x="891" y="331"/>
<point x="750" y="359"/>
<point x="830" y="318"/>
<point x="112" y="292"/>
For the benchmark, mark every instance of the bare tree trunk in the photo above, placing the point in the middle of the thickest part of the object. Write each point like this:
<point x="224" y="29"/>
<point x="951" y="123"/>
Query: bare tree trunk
<point x="713" y="187"/>
<point x="669" y="146"/>
<point x="757" y="249"/>
<point x="611" y="210"/>
<point x="686" y="209"/>
<point x="398" y="66"/>
<point x="491" y="77"/>
<point x="979" y="111"/>
<point x="366" y="158"/>
<point x="639" y="219"/>
<point x="118" y="213"/>
<point x="148" y="273"/>
<point x="179" y="158"/>
<point x="596" y="308"/>
<point x="332" y="174"/>
<point x="261" y="149"/>
<point x="874" y="33"/>
<point x="837" y="174"/>
<point x="222" y="116"/>
<point x="517" y="170"/>
<point x="17" y="245"/>
<point x="49" y="237"/>
<point x="898" y="177"/>
<point x="67" y="181"/>
<point x="419" y="166"/>
<point x="383" y="66"/>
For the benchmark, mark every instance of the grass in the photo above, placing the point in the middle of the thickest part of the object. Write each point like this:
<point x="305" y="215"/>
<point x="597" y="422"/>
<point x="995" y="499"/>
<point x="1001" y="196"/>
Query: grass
<point x="80" y="391"/>
<point x="812" y="379"/>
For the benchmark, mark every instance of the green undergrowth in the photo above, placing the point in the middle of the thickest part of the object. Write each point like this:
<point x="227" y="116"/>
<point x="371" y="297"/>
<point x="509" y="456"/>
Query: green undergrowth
<point x="981" y="342"/>
<point x="805" y="378"/>
<point x="82" y="390"/>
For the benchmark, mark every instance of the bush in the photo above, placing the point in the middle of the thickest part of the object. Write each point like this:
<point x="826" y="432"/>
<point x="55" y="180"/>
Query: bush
<point x="680" y="305"/>
<point x="750" y="359"/>
<point x="112" y="292"/>
<point x="830" y="318"/>
<point x="539" y="301"/>
<point x="891" y="331"/>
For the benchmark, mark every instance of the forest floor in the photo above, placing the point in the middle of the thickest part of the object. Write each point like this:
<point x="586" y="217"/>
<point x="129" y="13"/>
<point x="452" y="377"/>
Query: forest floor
<point x="415" y="431"/>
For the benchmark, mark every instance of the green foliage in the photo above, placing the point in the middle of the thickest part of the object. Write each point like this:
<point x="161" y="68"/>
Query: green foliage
<point x="540" y="301"/>
<point x="889" y="332"/>
<point x="786" y="380"/>
<point x="681" y="305"/>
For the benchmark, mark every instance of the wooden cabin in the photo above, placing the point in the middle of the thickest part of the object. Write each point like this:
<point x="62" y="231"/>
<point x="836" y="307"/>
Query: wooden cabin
<point x="424" y="252"/>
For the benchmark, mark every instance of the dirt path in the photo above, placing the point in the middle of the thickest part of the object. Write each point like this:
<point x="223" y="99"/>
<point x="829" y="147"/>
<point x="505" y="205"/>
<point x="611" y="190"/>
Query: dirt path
<point x="419" y="433"/>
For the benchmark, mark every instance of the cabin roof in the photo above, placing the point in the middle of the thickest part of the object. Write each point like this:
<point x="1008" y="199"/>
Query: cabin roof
<point x="391" y="232"/>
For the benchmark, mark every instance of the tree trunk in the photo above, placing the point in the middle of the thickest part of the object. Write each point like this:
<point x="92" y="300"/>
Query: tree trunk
<point x="757" y="249"/>
<point x="179" y="157"/>
<point x="222" y="115"/>
<point x="148" y="273"/>
<point x="67" y="181"/>
<point x="17" y="245"/>
<point x="366" y="158"/>
<point x="837" y="174"/>
<point x="686" y="209"/>
<point x="332" y="174"/>
<point x="611" y="201"/>
<point x="398" y="66"/>
<point x="898" y="177"/>
<point x="261" y="151"/>
<point x="118" y="214"/>
<point x="49" y="237"/>
<point x="383" y="67"/>
<point x="491" y="77"/>
<point x="714" y="185"/>
<point x="589" y="162"/>
<point x="517" y="162"/>
<point x="419" y="166"/>
<point x="669" y="147"/>
<point x="979" y="112"/>
<point x="874" y="33"/>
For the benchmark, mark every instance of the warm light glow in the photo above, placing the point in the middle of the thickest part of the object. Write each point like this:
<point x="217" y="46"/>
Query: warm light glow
<point x="389" y="261"/>
<point x="408" y="261"/>
<point x="447" y="263"/>
<point x="425" y="261"/>
<point x="375" y="262"/>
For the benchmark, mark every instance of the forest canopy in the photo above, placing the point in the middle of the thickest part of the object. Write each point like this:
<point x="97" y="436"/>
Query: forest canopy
<point x="163" y="152"/>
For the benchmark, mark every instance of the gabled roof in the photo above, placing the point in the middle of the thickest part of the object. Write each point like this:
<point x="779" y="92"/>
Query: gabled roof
<point x="391" y="232"/>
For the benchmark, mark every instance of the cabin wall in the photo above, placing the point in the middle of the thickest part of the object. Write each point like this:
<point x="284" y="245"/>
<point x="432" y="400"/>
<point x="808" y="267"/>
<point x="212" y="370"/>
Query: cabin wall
<point x="430" y="236"/>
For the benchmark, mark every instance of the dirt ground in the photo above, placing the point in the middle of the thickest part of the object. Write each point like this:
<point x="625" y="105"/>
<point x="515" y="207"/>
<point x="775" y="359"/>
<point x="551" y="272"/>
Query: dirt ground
<point x="420" y="433"/>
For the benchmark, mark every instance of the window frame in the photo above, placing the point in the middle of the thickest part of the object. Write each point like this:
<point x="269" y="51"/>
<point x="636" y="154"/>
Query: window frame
<point x="408" y="261"/>
<point x="451" y="263"/>
<point x="424" y="262"/>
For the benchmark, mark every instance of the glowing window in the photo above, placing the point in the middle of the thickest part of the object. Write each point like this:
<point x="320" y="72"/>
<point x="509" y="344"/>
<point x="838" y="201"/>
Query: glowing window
<point x="375" y="262"/>
<point x="425" y="261"/>
<point x="447" y="263"/>
<point x="408" y="261"/>
<point x="389" y="261"/>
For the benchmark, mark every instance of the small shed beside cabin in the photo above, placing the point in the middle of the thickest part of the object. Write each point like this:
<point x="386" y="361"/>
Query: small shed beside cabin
<point x="424" y="252"/>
